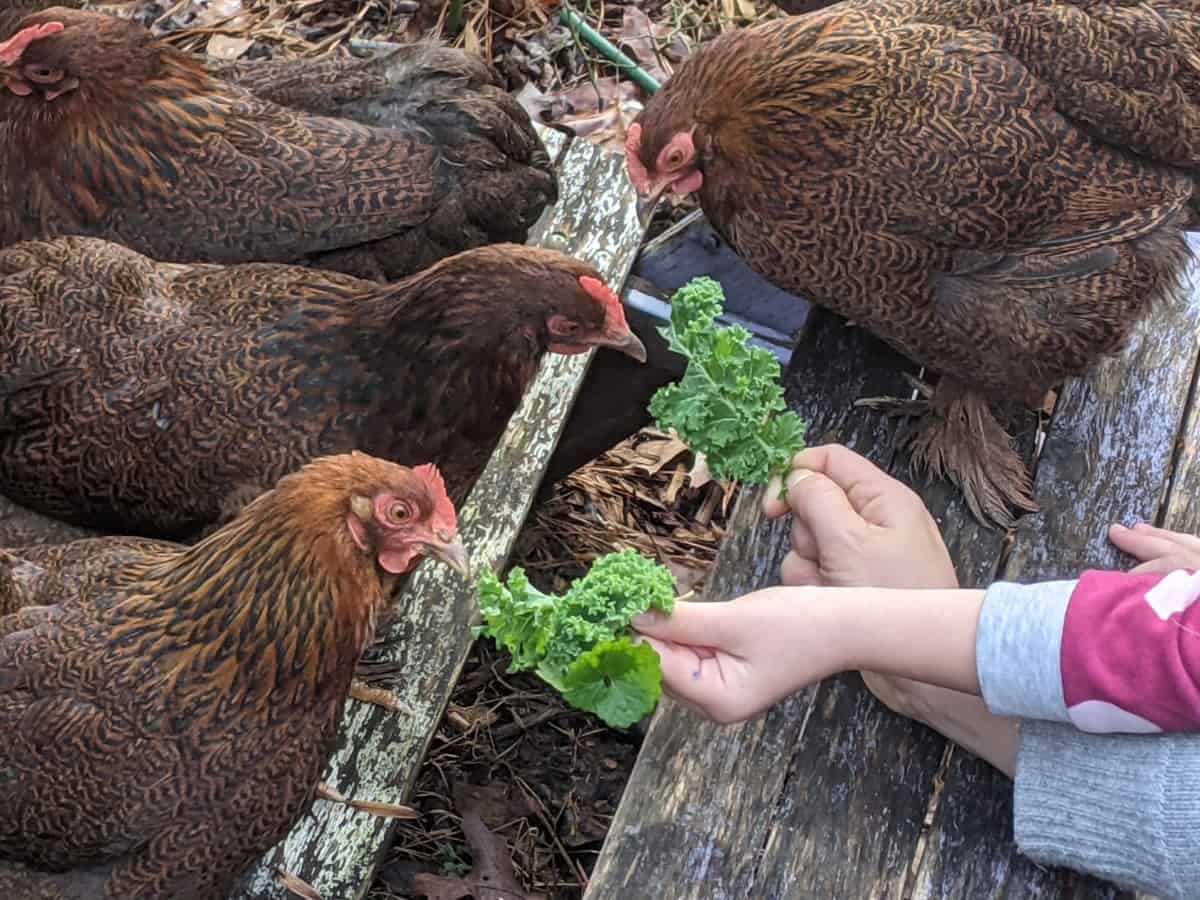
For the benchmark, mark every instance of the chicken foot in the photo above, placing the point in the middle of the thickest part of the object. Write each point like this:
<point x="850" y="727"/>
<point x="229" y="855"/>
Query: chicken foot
<point x="384" y="810"/>
<point x="958" y="437"/>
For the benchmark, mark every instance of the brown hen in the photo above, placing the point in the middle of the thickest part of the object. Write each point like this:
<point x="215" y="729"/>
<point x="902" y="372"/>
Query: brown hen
<point x="997" y="189"/>
<point x="106" y="131"/>
<point x="155" y="399"/>
<point x="169" y="719"/>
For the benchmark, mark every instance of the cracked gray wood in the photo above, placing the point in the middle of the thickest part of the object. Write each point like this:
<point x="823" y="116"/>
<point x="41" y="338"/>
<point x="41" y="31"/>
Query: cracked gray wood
<point x="335" y="848"/>
<point x="823" y="796"/>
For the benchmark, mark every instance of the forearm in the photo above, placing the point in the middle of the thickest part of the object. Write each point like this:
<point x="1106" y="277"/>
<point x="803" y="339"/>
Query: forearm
<point x="923" y="635"/>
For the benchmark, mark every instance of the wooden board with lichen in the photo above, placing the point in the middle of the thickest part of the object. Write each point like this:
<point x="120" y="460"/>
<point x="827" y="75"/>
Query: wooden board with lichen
<point x="830" y="795"/>
<point x="335" y="849"/>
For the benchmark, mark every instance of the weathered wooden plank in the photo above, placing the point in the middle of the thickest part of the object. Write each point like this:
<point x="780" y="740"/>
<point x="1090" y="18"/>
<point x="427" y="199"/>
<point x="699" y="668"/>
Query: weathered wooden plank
<point x="1107" y="457"/>
<point x="334" y="848"/>
<point x="1181" y="512"/>
<point x="863" y="778"/>
<point x="824" y="795"/>
<point x="831" y="826"/>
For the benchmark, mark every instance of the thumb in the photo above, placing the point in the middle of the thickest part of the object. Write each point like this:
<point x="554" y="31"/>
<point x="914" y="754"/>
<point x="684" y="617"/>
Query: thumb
<point x="818" y="502"/>
<point x="693" y="624"/>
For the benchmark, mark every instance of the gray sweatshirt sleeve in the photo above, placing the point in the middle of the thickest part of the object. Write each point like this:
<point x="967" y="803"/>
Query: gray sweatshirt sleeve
<point x="1123" y="807"/>
<point x="1018" y="649"/>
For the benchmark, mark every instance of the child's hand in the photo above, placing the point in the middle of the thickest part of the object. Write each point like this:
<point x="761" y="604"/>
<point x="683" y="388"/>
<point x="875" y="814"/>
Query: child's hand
<point x="1157" y="549"/>
<point x="733" y="660"/>
<point x="855" y="525"/>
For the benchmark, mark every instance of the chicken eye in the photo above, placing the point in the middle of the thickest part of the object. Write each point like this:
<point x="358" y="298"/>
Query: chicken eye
<point x="399" y="512"/>
<point x="43" y="74"/>
<point x="675" y="159"/>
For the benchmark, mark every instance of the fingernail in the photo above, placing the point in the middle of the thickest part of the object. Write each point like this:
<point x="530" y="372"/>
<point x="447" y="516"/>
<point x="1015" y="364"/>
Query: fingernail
<point x="646" y="620"/>
<point x="796" y="476"/>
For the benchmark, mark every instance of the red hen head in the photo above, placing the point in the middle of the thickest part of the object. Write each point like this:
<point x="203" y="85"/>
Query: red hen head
<point x="535" y="299"/>
<point x="59" y="51"/>
<point x="404" y="515"/>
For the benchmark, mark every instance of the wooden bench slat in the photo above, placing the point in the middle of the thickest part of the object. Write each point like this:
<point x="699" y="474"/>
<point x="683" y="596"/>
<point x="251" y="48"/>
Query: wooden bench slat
<point x="1107" y="457"/>
<point x="334" y="848"/>
<point x="1181" y="511"/>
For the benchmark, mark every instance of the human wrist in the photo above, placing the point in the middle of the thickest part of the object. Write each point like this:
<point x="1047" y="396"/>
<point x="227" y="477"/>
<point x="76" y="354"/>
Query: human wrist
<point x="817" y="627"/>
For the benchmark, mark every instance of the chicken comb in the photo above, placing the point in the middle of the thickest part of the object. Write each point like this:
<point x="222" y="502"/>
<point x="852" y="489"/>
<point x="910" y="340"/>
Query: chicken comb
<point x="13" y="49"/>
<point x="639" y="177"/>
<point x="443" y="510"/>
<point x="614" y="312"/>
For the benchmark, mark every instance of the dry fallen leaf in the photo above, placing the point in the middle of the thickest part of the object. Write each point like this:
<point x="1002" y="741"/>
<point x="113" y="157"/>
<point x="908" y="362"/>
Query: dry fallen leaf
<point x="224" y="13"/>
<point x="743" y="10"/>
<point x="699" y="475"/>
<point x="638" y="36"/>
<point x="492" y="876"/>
<point x="601" y="112"/>
<point x="222" y="46"/>
<point x="653" y="455"/>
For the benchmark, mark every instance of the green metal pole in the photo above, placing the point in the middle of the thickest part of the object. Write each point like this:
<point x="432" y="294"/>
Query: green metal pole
<point x="637" y="74"/>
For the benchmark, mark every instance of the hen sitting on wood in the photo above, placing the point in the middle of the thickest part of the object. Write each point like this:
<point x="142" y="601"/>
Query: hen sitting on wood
<point x="169" y="719"/>
<point x="155" y="399"/>
<point x="996" y="188"/>
<point x="106" y="131"/>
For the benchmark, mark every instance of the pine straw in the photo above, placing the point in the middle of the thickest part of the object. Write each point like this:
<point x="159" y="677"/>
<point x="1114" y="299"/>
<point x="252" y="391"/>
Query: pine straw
<point x="636" y="495"/>
<point x="559" y="772"/>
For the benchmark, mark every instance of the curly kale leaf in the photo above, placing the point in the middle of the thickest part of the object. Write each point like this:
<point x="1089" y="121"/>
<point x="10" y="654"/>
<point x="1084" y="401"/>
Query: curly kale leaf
<point x="581" y="643"/>
<point x="729" y="404"/>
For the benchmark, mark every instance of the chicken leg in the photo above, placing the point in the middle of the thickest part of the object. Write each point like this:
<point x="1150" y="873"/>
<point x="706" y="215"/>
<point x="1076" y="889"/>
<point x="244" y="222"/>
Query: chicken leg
<point x="958" y="437"/>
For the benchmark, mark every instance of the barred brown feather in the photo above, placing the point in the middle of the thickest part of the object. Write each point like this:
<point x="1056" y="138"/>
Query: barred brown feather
<point x="996" y="188"/>
<point x="154" y="151"/>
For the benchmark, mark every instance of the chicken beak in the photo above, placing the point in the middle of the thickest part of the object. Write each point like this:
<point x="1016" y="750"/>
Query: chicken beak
<point x="453" y="554"/>
<point x="649" y="202"/>
<point x="624" y="341"/>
